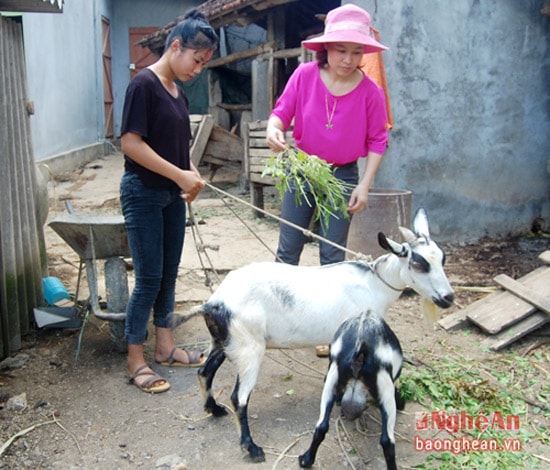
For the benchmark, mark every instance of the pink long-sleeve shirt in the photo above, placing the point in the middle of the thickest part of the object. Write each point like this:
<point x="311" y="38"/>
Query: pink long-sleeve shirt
<point x="359" y="117"/>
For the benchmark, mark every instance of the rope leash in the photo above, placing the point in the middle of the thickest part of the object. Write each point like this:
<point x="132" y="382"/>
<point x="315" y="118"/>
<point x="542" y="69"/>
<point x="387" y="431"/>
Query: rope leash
<point x="201" y="246"/>
<point x="306" y="232"/>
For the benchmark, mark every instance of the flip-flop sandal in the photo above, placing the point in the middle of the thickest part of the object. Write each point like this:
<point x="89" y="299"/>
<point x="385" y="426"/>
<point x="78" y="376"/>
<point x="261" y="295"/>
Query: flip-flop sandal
<point x="147" y="384"/>
<point x="196" y="359"/>
<point x="322" y="350"/>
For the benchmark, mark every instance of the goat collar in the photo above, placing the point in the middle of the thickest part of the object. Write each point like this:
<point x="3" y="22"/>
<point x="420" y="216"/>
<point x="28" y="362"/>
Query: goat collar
<point x="375" y="271"/>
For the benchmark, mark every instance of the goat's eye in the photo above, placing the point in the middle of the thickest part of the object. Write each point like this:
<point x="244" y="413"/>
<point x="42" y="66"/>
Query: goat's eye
<point x="419" y="264"/>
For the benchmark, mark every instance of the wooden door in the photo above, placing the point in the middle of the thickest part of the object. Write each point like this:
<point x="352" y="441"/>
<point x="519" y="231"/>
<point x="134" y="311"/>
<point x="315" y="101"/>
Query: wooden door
<point x="140" y="57"/>
<point x="107" y="77"/>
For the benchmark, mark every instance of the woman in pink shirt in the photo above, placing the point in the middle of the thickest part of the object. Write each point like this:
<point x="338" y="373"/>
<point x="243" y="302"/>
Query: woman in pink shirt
<point x="339" y="114"/>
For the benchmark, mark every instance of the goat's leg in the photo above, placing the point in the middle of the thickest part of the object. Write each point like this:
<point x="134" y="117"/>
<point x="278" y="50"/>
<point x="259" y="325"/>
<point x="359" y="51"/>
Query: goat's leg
<point x="246" y="380"/>
<point x="307" y="459"/>
<point x="388" y="411"/>
<point x="255" y="452"/>
<point x="206" y="377"/>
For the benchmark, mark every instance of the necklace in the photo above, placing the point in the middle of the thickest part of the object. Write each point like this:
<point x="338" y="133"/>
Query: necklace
<point x="330" y="115"/>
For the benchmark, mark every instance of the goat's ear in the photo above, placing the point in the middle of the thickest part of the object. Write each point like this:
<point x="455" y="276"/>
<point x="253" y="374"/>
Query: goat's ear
<point x="383" y="242"/>
<point x="389" y="245"/>
<point x="420" y="224"/>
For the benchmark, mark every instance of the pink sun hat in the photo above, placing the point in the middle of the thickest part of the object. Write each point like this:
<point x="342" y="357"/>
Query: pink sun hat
<point x="347" y="23"/>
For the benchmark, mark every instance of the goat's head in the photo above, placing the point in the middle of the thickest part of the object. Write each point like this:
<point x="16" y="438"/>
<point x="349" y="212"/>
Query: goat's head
<point x="422" y="260"/>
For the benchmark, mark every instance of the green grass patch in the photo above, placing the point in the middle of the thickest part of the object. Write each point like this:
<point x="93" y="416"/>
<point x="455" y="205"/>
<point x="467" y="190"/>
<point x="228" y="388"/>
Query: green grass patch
<point x="481" y="403"/>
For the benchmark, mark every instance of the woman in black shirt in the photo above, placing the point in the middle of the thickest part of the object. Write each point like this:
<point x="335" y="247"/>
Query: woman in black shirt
<point x="158" y="180"/>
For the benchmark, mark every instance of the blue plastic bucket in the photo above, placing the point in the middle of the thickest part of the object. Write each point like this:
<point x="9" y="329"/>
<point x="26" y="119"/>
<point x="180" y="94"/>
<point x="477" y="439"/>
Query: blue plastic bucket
<point x="54" y="290"/>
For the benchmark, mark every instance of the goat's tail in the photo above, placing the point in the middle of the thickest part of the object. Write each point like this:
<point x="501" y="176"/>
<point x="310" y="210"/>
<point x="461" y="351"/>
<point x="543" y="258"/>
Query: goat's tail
<point x="177" y="319"/>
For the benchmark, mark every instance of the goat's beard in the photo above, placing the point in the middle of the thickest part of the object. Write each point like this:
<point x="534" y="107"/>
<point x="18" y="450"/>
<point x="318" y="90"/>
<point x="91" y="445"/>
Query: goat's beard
<point x="430" y="312"/>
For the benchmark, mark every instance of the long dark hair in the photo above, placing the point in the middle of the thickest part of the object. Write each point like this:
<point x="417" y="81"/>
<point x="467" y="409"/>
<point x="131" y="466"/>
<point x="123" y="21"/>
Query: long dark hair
<point x="194" y="32"/>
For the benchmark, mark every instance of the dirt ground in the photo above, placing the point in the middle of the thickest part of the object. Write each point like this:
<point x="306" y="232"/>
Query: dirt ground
<point x="78" y="410"/>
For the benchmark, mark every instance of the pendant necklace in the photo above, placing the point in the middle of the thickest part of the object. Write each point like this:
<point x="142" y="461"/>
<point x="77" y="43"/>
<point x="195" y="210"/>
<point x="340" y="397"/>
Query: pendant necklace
<point x="329" y="124"/>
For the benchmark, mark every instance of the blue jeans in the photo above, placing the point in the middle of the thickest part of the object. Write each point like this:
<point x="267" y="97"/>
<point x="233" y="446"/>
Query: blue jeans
<point x="291" y="240"/>
<point x="155" y="223"/>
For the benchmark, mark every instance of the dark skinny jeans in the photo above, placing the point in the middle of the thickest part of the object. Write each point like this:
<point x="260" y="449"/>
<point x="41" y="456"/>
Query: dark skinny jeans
<point x="291" y="240"/>
<point x="155" y="223"/>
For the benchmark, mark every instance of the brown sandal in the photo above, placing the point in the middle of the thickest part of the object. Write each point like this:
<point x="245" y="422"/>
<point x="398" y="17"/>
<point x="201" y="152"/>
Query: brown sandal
<point x="147" y="384"/>
<point x="196" y="359"/>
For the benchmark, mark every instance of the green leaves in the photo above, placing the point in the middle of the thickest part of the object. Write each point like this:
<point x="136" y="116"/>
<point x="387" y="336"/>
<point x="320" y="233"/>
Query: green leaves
<point x="496" y="390"/>
<point x="312" y="176"/>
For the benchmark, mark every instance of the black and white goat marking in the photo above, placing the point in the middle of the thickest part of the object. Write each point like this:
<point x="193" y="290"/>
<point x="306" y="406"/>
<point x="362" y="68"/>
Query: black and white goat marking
<point x="365" y="359"/>
<point x="274" y="305"/>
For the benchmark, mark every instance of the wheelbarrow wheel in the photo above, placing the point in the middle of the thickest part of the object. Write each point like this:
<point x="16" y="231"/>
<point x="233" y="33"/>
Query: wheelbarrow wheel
<point x="116" y="281"/>
<point x="118" y="340"/>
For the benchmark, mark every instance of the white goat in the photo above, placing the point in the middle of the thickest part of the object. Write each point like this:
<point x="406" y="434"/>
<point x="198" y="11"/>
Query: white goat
<point x="274" y="305"/>
<point x="365" y="358"/>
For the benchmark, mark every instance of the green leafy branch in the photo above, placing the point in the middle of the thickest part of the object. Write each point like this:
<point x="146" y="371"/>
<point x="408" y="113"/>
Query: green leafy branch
<point x="310" y="176"/>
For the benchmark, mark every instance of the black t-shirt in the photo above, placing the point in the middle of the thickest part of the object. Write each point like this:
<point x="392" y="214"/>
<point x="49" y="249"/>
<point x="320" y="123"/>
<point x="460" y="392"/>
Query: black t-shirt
<point x="161" y="120"/>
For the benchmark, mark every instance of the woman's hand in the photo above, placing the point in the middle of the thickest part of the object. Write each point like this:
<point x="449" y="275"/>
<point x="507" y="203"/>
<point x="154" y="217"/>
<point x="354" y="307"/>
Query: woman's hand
<point x="360" y="195"/>
<point x="190" y="183"/>
<point x="358" y="200"/>
<point x="274" y="135"/>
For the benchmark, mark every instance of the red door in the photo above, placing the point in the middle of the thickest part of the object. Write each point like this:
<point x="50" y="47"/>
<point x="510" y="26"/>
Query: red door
<point x="140" y="57"/>
<point x="107" y="78"/>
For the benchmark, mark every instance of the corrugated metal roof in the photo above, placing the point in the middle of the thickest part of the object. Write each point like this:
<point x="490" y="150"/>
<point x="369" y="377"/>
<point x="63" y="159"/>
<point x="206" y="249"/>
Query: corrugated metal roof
<point x="32" y="6"/>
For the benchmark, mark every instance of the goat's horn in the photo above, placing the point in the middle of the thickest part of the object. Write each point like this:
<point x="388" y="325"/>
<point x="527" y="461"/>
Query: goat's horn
<point x="408" y="234"/>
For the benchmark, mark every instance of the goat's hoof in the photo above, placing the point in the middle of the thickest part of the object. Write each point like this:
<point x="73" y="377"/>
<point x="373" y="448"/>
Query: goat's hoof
<point x="216" y="410"/>
<point x="305" y="460"/>
<point x="256" y="454"/>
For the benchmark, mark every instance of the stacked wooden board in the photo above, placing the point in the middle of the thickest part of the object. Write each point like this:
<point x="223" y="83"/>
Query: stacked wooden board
<point x="519" y="308"/>
<point x="256" y="155"/>
<point x="213" y="144"/>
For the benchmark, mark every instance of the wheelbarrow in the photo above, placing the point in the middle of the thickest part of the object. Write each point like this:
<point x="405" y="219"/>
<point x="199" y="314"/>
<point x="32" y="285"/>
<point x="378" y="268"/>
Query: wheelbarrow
<point x="93" y="238"/>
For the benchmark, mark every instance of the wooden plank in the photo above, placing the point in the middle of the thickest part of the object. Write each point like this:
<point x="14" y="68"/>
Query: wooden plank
<point x="288" y="53"/>
<point x="224" y="145"/>
<point x="545" y="257"/>
<point x="257" y="198"/>
<point x="246" y="131"/>
<point x="269" y="46"/>
<point x="257" y="142"/>
<point x="196" y="118"/>
<point x="454" y="321"/>
<point x="259" y="134"/>
<point x="214" y="161"/>
<point x="200" y="140"/>
<point x="257" y="169"/>
<point x="259" y="160"/>
<point x="224" y="152"/>
<point x="256" y="178"/>
<point x="223" y="135"/>
<point x="502" y="309"/>
<point x="254" y="125"/>
<point x="523" y="292"/>
<point x="263" y="153"/>
<point x="515" y="332"/>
